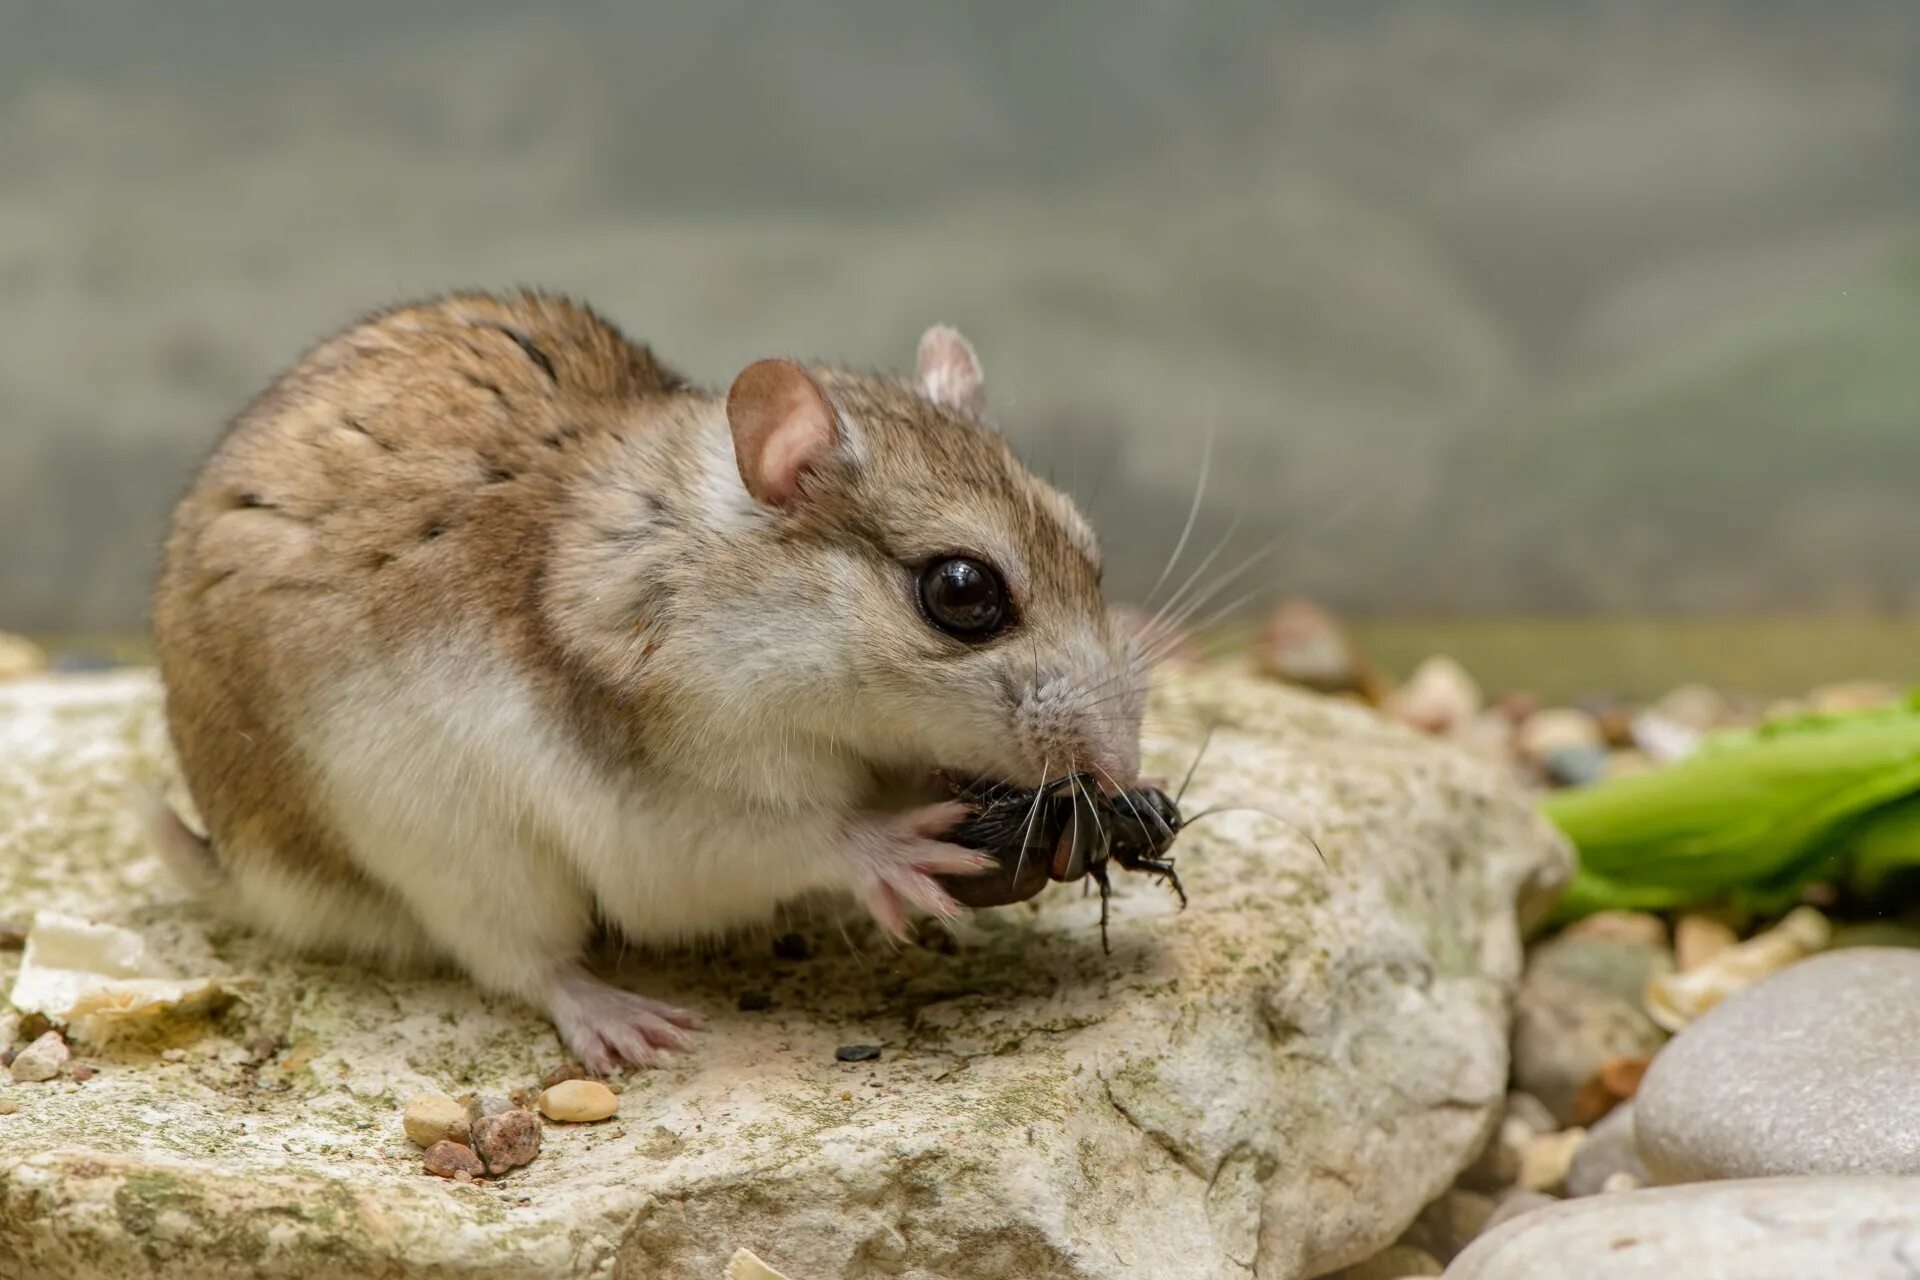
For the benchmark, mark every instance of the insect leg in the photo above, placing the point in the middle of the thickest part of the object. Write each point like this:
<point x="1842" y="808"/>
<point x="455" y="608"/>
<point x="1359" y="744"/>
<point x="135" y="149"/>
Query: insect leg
<point x="1098" y="871"/>
<point x="1157" y="867"/>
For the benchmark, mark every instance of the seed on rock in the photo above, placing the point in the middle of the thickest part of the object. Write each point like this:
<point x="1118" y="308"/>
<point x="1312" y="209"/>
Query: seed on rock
<point x="432" y="1118"/>
<point x="857" y="1052"/>
<point x="446" y="1159"/>
<point x="41" y="1060"/>
<point x="8" y="1106"/>
<point x="754" y="1001"/>
<point x="579" y="1101"/>
<point x="566" y="1071"/>
<point x="506" y="1141"/>
<point x="790" y="946"/>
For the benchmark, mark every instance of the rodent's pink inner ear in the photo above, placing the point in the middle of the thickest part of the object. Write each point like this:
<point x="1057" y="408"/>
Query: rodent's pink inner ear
<point x="782" y="426"/>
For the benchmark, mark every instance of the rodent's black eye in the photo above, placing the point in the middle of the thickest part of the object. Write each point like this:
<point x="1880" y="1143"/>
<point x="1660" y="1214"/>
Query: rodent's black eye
<point x="963" y="597"/>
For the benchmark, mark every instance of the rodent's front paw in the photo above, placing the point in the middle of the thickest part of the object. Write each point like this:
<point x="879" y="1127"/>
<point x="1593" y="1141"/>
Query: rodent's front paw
<point x="605" y="1026"/>
<point x="895" y="861"/>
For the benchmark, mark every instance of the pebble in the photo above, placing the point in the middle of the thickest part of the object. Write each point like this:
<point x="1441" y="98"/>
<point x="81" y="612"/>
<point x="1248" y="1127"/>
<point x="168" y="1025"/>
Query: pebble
<point x="1392" y="1263"/>
<point x="1450" y="1223"/>
<point x="432" y="1118"/>
<point x="484" y="1104"/>
<point x="1698" y="707"/>
<point x="857" y="1052"/>
<point x="578" y="1101"/>
<point x="1612" y="1084"/>
<point x="8" y="1106"/>
<point x="40" y="1061"/>
<point x="1698" y="939"/>
<point x="1439" y="697"/>
<point x="1579" y="1008"/>
<point x="1546" y="1158"/>
<point x="1810" y="1071"/>
<point x="1804" y="1228"/>
<point x="1531" y="1112"/>
<point x="1622" y="1181"/>
<point x="1673" y="1000"/>
<point x="1609" y="1150"/>
<point x="1663" y="741"/>
<point x="81" y="1072"/>
<point x="506" y="1141"/>
<point x="1514" y="1202"/>
<point x="567" y="1071"/>
<point x="1577" y="766"/>
<point x="1304" y="645"/>
<point x="19" y="657"/>
<point x="448" y="1159"/>
<point x="1636" y="928"/>
<point x="1558" y="729"/>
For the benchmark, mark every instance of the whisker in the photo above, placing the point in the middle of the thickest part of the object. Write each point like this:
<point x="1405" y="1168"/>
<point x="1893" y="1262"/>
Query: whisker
<point x="1193" y="514"/>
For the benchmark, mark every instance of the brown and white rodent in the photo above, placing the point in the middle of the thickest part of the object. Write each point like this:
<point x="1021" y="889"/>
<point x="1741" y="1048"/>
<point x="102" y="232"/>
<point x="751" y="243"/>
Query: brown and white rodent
<point x="480" y="626"/>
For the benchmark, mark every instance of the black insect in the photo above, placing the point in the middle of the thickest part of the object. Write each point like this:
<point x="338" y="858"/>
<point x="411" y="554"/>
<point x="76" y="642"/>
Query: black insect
<point x="1068" y="829"/>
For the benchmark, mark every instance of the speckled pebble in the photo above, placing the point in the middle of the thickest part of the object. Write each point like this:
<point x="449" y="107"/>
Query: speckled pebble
<point x="452" y="1160"/>
<point x="40" y="1061"/>
<point x="579" y="1101"/>
<point x="1809" y="1071"/>
<point x="506" y="1141"/>
<point x="484" y="1104"/>
<point x="857" y="1052"/>
<point x="432" y="1118"/>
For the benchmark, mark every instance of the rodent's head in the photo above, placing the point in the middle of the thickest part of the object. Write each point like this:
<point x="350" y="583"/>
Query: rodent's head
<point x="902" y="587"/>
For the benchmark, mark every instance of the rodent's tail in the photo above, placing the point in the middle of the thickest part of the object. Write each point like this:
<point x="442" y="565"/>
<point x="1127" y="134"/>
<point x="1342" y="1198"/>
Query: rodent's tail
<point x="188" y="855"/>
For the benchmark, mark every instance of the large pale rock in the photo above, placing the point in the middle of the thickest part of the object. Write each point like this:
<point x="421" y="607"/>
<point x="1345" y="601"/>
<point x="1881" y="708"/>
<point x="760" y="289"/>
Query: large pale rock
<point x="1808" y="1071"/>
<point x="1271" y="1083"/>
<point x="1804" y="1228"/>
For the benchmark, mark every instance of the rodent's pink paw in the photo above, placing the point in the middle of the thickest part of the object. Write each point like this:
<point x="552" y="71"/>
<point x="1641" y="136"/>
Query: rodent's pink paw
<point x="896" y="861"/>
<point x="605" y="1026"/>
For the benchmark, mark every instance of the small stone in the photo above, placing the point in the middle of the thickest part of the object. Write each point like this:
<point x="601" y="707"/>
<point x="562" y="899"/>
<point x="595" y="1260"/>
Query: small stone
<point x="1852" y="696"/>
<point x="1807" y="1072"/>
<point x="463" y="1176"/>
<point x="1545" y="1159"/>
<point x="1558" y="729"/>
<point x="1608" y="1150"/>
<point x="173" y="1055"/>
<point x="1698" y="939"/>
<point x="1577" y="766"/>
<point x="1514" y="1202"/>
<point x="1438" y="698"/>
<point x="1622" y="1181"/>
<point x="1615" y="1082"/>
<point x="1393" y="1263"/>
<point x="1450" y="1223"/>
<point x="1578" y="1008"/>
<point x="579" y="1101"/>
<point x="1675" y="999"/>
<point x="432" y="1118"/>
<point x="1804" y="1228"/>
<point x="1530" y="1111"/>
<point x="566" y="1071"/>
<point x="754" y="1001"/>
<point x="857" y="1052"/>
<point x="40" y="1061"/>
<point x="484" y="1104"/>
<point x="1696" y="707"/>
<point x="790" y="946"/>
<point x="449" y="1159"/>
<point x="1636" y="928"/>
<point x="1304" y="645"/>
<point x="19" y="657"/>
<point x="8" y="1106"/>
<point x="506" y="1141"/>
<point x="13" y="936"/>
<point x="261" y="1047"/>
<point x="81" y="1072"/>
<point x="1663" y="741"/>
<point x="1616" y="726"/>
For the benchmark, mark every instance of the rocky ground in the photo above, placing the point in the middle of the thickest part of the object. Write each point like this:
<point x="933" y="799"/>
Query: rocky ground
<point x="1349" y="1067"/>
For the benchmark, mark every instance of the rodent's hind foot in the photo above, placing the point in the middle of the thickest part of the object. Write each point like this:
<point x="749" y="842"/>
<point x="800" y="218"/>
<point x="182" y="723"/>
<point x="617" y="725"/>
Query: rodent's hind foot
<point x="896" y="859"/>
<point x="605" y="1026"/>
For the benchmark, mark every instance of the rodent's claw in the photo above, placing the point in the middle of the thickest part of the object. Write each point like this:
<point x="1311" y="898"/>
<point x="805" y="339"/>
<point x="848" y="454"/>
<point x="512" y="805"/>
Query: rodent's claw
<point x="605" y="1026"/>
<point x="896" y="862"/>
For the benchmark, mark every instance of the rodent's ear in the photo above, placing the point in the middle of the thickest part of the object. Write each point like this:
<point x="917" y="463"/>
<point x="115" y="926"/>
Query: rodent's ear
<point x="783" y="428"/>
<point x="950" y="373"/>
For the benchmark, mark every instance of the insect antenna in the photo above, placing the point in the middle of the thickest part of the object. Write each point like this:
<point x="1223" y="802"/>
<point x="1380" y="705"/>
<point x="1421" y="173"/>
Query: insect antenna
<point x="1293" y="826"/>
<point x="1187" y="781"/>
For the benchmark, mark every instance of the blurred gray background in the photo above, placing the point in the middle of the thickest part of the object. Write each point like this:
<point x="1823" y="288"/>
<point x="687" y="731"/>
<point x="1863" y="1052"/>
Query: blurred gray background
<point x="1489" y="308"/>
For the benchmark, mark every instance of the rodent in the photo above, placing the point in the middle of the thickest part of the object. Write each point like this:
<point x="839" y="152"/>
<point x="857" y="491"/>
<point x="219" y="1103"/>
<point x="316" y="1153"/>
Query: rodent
<point x="480" y="627"/>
